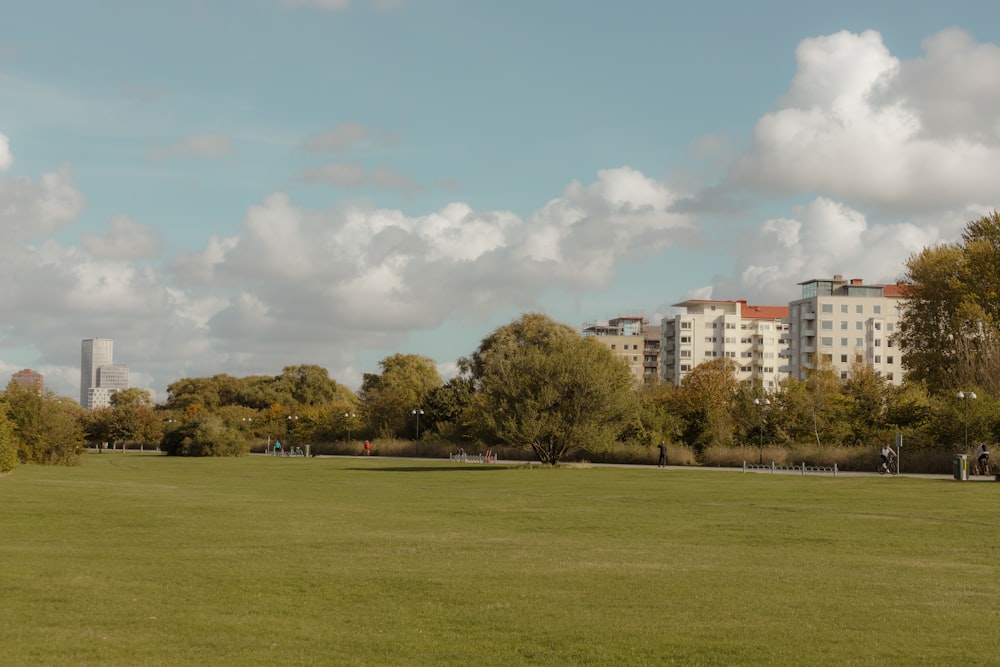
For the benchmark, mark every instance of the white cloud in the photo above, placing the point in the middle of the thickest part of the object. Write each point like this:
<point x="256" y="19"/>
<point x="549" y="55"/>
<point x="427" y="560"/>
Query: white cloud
<point x="821" y="239"/>
<point x="344" y="137"/>
<point x="200" y="146"/>
<point x="30" y="209"/>
<point x="354" y="175"/>
<point x="125" y="240"/>
<point x="861" y="126"/>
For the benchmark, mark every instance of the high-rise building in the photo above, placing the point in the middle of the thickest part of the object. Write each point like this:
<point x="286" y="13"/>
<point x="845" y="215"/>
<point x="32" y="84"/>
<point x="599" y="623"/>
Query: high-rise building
<point x="754" y="337"/>
<point x="841" y="323"/>
<point x="631" y="338"/>
<point x="99" y="372"/>
<point x="28" y="378"/>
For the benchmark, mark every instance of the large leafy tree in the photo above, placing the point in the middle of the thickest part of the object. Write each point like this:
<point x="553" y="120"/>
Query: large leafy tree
<point x="47" y="428"/>
<point x="541" y="387"/>
<point x="389" y="398"/>
<point x="707" y="402"/>
<point x="949" y="329"/>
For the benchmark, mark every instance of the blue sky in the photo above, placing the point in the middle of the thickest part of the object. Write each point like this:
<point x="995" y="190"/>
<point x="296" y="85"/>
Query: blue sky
<point x="233" y="187"/>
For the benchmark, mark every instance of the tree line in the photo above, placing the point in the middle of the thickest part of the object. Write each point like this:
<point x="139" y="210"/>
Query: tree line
<point x="540" y="386"/>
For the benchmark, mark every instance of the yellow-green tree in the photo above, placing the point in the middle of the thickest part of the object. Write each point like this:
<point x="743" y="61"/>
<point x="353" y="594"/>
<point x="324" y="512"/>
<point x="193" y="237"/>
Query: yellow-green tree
<point x="388" y="399"/>
<point x="541" y="387"/>
<point x="949" y="329"/>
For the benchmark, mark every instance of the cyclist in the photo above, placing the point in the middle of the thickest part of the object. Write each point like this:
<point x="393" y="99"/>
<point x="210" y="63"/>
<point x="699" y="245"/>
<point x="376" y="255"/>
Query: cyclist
<point x="983" y="459"/>
<point x="888" y="455"/>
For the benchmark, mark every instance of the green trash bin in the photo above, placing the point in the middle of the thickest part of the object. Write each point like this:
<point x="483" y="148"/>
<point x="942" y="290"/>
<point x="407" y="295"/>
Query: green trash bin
<point x="961" y="464"/>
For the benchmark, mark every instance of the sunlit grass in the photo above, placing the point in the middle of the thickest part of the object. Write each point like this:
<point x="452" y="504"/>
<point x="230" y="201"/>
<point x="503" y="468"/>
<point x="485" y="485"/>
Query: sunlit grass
<point x="143" y="559"/>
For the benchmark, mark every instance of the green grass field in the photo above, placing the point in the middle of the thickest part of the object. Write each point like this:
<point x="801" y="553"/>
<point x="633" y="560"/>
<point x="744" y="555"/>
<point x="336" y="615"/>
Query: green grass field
<point x="143" y="559"/>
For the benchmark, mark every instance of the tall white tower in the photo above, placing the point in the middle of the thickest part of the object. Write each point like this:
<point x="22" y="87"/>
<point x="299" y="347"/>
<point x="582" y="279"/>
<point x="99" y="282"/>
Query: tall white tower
<point x="96" y="352"/>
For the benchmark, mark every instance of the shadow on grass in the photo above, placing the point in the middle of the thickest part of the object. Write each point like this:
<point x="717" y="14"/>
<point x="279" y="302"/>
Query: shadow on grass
<point x="434" y="468"/>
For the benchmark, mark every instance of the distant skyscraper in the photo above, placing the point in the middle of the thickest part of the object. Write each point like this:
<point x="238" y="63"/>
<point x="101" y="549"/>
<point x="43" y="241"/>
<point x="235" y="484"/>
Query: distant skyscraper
<point x="96" y="352"/>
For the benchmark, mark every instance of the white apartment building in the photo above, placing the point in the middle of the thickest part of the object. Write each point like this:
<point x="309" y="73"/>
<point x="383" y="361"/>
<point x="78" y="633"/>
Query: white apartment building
<point x="844" y="322"/>
<point x="633" y="339"/>
<point x="755" y="337"/>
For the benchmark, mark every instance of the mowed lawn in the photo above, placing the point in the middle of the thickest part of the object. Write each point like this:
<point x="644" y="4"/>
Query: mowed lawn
<point x="136" y="559"/>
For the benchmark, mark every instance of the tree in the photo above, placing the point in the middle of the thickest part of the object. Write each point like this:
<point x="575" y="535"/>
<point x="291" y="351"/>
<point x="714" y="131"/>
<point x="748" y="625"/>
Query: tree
<point x="8" y="445"/>
<point x="388" y="399"/>
<point x="705" y="401"/>
<point x="541" y="387"/>
<point x="132" y="417"/>
<point x="949" y="328"/>
<point x="205" y="435"/>
<point x="48" y="428"/>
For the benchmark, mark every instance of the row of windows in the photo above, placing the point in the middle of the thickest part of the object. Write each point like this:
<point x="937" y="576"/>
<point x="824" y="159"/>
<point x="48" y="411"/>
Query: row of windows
<point x="827" y="341"/>
<point x="858" y="308"/>
<point x="827" y="325"/>
<point x="759" y="326"/>
<point x="857" y="358"/>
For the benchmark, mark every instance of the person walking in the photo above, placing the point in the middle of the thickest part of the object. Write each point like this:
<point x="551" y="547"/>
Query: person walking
<point x="368" y="448"/>
<point x="663" y="456"/>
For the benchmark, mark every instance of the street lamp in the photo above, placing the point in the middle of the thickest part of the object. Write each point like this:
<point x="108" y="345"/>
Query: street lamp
<point x="761" y="403"/>
<point x="417" y="413"/>
<point x="965" y="396"/>
<point x="348" y="416"/>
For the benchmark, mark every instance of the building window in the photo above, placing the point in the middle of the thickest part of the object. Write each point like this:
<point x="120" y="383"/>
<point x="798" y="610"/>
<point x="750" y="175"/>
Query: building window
<point x="843" y="358"/>
<point x="859" y="309"/>
<point x="843" y="307"/>
<point x="889" y="327"/>
<point x="826" y="325"/>
<point x="878" y="342"/>
<point x="685" y="367"/>
<point x="843" y="325"/>
<point x="888" y="360"/>
<point x="685" y="324"/>
<point x="843" y="342"/>
<point x="731" y="355"/>
<point x="843" y="375"/>
<point x="827" y="307"/>
<point x="877" y="310"/>
<point x="685" y="354"/>
<point x="859" y="325"/>
<point x="859" y="342"/>
<point x="827" y="341"/>
<point x="827" y="358"/>
<point x="878" y="359"/>
<point x="612" y="346"/>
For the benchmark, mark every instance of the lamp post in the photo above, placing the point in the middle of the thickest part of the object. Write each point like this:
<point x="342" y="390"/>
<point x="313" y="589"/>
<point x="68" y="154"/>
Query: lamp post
<point x="291" y="429"/>
<point x="417" y="413"/>
<point x="761" y="403"/>
<point x="416" y="446"/>
<point x="348" y="416"/>
<point x="965" y="396"/>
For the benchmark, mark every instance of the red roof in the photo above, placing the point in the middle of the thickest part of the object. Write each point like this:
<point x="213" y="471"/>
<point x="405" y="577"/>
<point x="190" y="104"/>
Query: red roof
<point x="764" y="312"/>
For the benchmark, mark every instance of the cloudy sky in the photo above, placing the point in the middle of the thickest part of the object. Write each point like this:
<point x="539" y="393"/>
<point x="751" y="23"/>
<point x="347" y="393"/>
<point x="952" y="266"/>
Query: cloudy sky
<point x="228" y="186"/>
